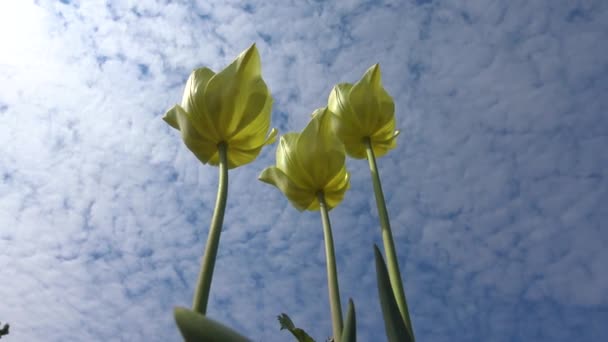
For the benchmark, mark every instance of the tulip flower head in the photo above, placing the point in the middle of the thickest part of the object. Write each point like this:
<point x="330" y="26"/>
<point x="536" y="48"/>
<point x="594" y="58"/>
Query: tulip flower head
<point x="308" y="163"/>
<point x="231" y="107"/>
<point x="364" y="111"/>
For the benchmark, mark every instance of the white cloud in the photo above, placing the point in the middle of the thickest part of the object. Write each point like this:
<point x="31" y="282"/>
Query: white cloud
<point x="495" y="191"/>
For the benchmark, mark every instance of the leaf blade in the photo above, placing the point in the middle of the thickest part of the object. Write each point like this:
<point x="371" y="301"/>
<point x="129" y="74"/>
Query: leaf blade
<point x="349" y="334"/>
<point x="396" y="331"/>
<point x="195" y="327"/>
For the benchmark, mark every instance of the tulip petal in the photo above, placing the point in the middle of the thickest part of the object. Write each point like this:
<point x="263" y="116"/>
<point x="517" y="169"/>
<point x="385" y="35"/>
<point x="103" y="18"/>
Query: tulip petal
<point x="381" y="147"/>
<point x="364" y="97"/>
<point x="373" y="106"/>
<point x="356" y="150"/>
<point x="345" y="123"/>
<point x="238" y="156"/>
<point x="335" y="190"/>
<point x="310" y="162"/>
<point x="384" y="132"/>
<point x="171" y="118"/>
<point x="228" y="92"/>
<point x="338" y="104"/>
<point x="299" y="197"/>
<point x="232" y="107"/>
<point x="386" y="111"/>
<point x="193" y="102"/>
<point x="254" y="125"/>
<point x="340" y="180"/>
<point x="285" y="154"/>
<point x="363" y="110"/>
<point x="249" y="64"/>
<point x="289" y="162"/>
<point x="319" y="150"/>
<point x="272" y="137"/>
<point x="195" y="86"/>
<point x="202" y="148"/>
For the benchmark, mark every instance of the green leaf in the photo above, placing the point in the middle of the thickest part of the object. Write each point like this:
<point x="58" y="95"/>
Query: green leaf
<point x="198" y="328"/>
<point x="349" y="334"/>
<point x="300" y="334"/>
<point x="396" y="330"/>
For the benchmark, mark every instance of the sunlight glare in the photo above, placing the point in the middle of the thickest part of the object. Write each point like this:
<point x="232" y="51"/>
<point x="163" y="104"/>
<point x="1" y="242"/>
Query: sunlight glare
<point x="21" y="32"/>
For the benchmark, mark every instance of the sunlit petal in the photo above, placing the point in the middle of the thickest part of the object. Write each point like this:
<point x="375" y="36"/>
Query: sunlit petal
<point x="310" y="162"/>
<point x="231" y="107"/>
<point x="299" y="197"/>
<point x="361" y="111"/>
<point x="202" y="148"/>
<point x="239" y="156"/>
<point x="228" y="92"/>
<point x="317" y="139"/>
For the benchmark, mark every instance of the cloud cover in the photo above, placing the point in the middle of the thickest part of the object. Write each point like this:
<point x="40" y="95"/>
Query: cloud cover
<point x="495" y="191"/>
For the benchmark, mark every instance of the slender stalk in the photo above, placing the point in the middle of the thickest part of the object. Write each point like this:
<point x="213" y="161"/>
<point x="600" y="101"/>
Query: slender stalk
<point x="332" y="273"/>
<point x="201" y="294"/>
<point x="387" y="239"/>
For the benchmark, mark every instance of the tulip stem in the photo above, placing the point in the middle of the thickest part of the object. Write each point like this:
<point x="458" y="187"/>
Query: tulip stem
<point x="332" y="273"/>
<point x="201" y="294"/>
<point x="387" y="239"/>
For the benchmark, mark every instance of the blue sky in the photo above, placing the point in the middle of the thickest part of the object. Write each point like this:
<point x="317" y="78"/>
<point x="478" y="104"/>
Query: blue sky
<point x="497" y="190"/>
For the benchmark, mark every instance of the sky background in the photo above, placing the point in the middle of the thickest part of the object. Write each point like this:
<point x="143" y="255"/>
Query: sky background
<point x="497" y="190"/>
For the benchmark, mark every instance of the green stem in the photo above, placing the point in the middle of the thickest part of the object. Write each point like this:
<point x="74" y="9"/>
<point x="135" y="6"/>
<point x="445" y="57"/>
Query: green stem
<point x="387" y="239"/>
<point x="332" y="273"/>
<point x="201" y="294"/>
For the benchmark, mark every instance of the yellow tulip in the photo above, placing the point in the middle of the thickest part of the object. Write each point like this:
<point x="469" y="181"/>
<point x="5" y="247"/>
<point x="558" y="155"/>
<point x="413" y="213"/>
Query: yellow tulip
<point x="364" y="111"/>
<point x="311" y="172"/>
<point x="363" y="117"/>
<point x="231" y="107"/>
<point x="310" y="163"/>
